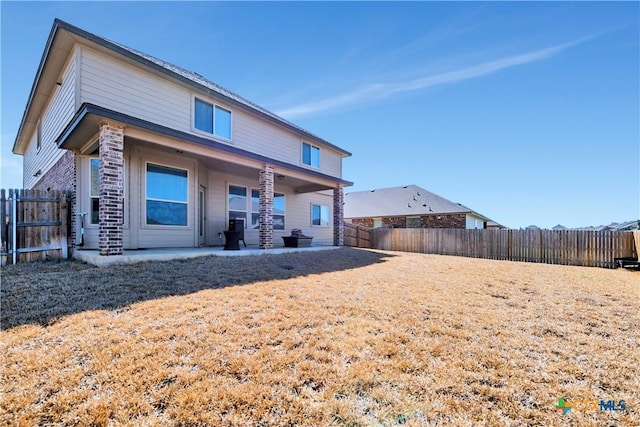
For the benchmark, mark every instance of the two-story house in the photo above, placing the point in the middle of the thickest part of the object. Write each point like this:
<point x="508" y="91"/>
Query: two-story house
<point x="158" y="156"/>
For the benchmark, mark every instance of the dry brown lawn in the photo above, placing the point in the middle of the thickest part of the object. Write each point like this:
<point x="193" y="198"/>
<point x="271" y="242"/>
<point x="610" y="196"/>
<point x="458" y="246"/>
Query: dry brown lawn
<point x="347" y="337"/>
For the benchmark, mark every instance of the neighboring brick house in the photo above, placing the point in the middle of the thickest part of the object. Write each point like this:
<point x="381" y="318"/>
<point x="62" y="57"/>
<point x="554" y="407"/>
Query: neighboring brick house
<point x="409" y="207"/>
<point x="159" y="156"/>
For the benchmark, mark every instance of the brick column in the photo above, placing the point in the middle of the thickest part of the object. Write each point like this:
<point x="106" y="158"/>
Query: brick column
<point x="338" y="216"/>
<point x="266" y="208"/>
<point x="111" y="189"/>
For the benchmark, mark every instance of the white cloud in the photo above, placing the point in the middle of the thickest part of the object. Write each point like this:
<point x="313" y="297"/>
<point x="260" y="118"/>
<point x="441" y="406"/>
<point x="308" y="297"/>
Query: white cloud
<point x="379" y="91"/>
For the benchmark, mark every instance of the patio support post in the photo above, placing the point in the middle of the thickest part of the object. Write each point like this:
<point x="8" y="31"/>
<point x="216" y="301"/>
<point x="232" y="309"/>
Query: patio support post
<point x="338" y="216"/>
<point x="265" y="236"/>
<point x="111" y="205"/>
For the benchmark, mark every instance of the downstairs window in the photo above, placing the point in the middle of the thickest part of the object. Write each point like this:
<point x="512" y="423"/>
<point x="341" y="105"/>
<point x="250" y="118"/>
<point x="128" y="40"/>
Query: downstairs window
<point x="166" y="196"/>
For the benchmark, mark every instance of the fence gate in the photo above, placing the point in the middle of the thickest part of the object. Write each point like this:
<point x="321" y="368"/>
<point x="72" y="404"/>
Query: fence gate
<point x="357" y="236"/>
<point x="34" y="225"/>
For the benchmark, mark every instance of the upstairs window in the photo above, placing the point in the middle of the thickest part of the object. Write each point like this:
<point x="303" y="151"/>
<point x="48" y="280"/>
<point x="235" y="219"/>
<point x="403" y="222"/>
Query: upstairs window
<point x="212" y="119"/>
<point x="222" y="126"/>
<point x="310" y="155"/>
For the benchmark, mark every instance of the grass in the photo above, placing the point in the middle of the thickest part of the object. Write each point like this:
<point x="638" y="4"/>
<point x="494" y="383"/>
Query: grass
<point x="348" y="337"/>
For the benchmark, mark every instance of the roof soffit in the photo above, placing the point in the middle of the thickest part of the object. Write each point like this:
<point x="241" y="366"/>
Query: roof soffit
<point x="56" y="53"/>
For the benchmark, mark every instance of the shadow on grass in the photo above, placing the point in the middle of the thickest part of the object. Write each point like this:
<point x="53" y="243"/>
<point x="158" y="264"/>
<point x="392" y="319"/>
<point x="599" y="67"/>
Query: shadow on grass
<point x="42" y="293"/>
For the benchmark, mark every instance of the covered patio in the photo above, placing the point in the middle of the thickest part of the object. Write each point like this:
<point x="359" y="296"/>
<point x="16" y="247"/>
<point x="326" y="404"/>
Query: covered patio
<point x="93" y="257"/>
<point x="136" y="170"/>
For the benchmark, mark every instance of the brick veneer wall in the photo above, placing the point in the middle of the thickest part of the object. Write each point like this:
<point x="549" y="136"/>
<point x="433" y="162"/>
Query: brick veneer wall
<point x="444" y="221"/>
<point x="265" y="233"/>
<point x="426" y="221"/>
<point x="365" y="222"/>
<point x="62" y="176"/>
<point x="338" y="216"/>
<point x="111" y="170"/>
<point x="394" y="221"/>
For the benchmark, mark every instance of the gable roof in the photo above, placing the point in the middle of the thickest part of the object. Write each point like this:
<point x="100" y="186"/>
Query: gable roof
<point x="190" y="78"/>
<point x="399" y="201"/>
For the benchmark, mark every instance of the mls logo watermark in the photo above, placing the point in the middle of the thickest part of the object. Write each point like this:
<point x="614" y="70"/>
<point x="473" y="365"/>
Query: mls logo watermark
<point x="590" y="405"/>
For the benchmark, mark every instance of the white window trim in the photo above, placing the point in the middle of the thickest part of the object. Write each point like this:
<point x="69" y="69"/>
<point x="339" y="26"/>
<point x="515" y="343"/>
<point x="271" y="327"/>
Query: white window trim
<point x="251" y="212"/>
<point x="247" y="205"/>
<point x="87" y="221"/>
<point x="311" y="215"/>
<point x="285" y="211"/>
<point x="302" y="143"/>
<point x="207" y="134"/>
<point x="125" y="215"/>
<point x="144" y="198"/>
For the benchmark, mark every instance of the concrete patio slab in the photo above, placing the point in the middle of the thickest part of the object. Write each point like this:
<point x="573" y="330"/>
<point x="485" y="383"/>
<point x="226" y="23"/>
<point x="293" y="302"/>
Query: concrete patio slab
<point x="169" y="254"/>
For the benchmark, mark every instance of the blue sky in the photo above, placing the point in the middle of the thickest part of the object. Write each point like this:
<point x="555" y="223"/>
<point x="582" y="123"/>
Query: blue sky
<point x="526" y="112"/>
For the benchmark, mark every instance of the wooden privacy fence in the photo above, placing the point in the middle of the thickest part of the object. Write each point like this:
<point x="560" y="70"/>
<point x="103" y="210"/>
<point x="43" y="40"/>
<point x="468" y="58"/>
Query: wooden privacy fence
<point x="572" y="247"/>
<point x="357" y="236"/>
<point x="35" y="225"/>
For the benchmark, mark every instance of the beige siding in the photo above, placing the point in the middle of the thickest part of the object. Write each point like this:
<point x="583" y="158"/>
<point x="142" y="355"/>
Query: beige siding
<point x="216" y="207"/>
<point x="59" y="111"/>
<point x="203" y="180"/>
<point x="264" y="138"/>
<point x="300" y="214"/>
<point x="123" y="87"/>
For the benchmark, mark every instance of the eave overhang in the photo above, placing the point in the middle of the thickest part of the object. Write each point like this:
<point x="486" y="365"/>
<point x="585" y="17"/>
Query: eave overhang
<point x="56" y="52"/>
<point x="429" y="213"/>
<point x="85" y="125"/>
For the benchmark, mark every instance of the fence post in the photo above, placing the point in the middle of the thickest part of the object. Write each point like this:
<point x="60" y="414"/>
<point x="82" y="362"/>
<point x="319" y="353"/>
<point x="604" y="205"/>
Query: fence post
<point x="64" y="221"/>
<point x="14" y="225"/>
<point x="4" y="244"/>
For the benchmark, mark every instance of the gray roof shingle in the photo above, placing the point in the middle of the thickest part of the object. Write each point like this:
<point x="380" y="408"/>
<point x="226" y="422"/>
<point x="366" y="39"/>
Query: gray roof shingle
<point x="399" y="201"/>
